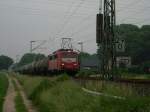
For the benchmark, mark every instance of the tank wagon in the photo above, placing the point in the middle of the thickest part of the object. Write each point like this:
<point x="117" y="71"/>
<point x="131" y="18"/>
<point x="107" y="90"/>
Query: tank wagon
<point x="62" y="60"/>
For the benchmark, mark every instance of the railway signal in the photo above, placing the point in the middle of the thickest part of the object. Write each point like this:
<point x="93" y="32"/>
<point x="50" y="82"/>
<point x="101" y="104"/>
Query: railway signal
<point x="120" y="45"/>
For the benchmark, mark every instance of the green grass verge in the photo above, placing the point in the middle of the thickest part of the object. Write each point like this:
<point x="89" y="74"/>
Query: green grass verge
<point x="3" y="89"/>
<point x="19" y="103"/>
<point x="64" y="95"/>
<point x="135" y="76"/>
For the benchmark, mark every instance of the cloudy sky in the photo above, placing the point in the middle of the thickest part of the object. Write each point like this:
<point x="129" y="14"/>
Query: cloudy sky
<point x="24" y="20"/>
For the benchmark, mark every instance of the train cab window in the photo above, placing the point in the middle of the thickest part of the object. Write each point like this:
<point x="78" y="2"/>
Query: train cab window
<point x="50" y="58"/>
<point x="69" y="57"/>
<point x="55" y="56"/>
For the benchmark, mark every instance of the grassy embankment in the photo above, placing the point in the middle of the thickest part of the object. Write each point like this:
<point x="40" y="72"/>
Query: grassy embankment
<point x="3" y="89"/>
<point x="136" y="76"/>
<point x="64" y="95"/>
<point x="19" y="103"/>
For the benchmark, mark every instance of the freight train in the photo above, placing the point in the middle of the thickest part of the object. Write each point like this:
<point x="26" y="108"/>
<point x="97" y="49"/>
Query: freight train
<point x="62" y="60"/>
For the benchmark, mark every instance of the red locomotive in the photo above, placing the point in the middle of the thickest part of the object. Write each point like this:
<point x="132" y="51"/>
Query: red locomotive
<point x="63" y="60"/>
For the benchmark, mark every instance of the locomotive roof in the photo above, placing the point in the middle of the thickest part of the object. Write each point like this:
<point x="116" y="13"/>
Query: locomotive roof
<point x="61" y="50"/>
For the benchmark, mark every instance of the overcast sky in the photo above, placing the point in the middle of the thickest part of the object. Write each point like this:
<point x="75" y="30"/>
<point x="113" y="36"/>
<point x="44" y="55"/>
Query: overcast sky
<point x="24" y="20"/>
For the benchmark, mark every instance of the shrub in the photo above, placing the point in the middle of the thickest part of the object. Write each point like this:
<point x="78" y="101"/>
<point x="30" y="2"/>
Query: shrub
<point x="44" y="85"/>
<point x="62" y="77"/>
<point x="84" y="73"/>
<point x="3" y="89"/>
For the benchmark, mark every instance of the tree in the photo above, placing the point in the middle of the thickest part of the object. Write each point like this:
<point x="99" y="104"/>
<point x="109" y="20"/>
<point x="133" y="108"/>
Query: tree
<point x="84" y="55"/>
<point x="137" y="41"/>
<point x="30" y="57"/>
<point x="5" y="62"/>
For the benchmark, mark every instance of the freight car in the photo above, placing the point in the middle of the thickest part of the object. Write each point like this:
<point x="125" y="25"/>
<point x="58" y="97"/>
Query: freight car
<point x="62" y="60"/>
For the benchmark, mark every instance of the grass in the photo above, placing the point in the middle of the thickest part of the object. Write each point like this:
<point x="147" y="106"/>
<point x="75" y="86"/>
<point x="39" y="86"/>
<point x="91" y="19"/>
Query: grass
<point x="135" y="76"/>
<point x="3" y="89"/>
<point x="64" y="95"/>
<point x="110" y="88"/>
<point x="134" y="104"/>
<point x="19" y="103"/>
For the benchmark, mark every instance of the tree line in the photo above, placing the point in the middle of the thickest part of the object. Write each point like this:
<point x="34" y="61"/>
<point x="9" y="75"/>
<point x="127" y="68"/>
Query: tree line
<point x="137" y="47"/>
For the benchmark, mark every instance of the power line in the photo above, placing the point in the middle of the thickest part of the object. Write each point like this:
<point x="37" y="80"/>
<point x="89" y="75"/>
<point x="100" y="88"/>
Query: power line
<point x="137" y="12"/>
<point x="129" y="5"/>
<point x="79" y="23"/>
<point x="69" y="18"/>
<point x="145" y="20"/>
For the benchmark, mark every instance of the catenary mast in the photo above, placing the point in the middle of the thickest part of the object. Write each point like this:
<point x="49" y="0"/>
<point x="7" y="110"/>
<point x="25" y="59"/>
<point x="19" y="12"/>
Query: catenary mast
<point x="106" y="21"/>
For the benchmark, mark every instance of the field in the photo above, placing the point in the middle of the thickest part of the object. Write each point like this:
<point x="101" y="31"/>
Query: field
<point x="3" y="89"/>
<point x="62" y="94"/>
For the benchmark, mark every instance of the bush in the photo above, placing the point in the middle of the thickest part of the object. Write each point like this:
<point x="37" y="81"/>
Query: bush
<point x="84" y="73"/>
<point x="62" y="77"/>
<point x="133" y="104"/>
<point x="3" y="89"/>
<point x="64" y="97"/>
<point x="44" y="85"/>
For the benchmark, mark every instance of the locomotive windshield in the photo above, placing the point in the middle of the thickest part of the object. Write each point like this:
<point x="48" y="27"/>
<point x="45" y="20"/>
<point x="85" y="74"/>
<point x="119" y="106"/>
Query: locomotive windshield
<point x="69" y="57"/>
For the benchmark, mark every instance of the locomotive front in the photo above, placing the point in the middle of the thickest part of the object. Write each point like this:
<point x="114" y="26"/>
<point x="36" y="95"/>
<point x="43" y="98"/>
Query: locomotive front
<point x="69" y="61"/>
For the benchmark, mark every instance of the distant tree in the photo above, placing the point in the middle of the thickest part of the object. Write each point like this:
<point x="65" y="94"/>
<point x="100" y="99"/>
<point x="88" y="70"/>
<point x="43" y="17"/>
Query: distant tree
<point x="39" y="56"/>
<point x="84" y="55"/>
<point x="30" y="57"/>
<point x="137" y="41"/>
<point x="145" y="28"/>
<point x="5" y="62"/>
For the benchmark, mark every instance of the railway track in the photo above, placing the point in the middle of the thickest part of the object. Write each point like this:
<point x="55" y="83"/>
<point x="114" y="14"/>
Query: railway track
<point x="138" y="86"/>
<point x="117" y="80"/>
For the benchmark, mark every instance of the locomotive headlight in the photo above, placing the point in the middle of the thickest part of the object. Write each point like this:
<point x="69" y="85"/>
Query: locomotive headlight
<point x="62" y="64"/>
<point x="75" y="64"/>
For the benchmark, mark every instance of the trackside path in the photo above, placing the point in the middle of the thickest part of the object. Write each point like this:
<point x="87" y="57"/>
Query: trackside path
<point x="9" y="105"/>
<point x="27" y="102"/>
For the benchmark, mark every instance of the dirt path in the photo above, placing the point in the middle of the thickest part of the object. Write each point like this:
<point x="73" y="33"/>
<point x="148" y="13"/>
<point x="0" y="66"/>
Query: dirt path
<point x="9" y="105"/>
<point x="27" y="102"/>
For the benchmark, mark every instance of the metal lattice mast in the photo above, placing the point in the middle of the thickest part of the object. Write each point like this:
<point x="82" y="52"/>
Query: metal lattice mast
<point x="106" y="38"/>
<point x="66" y="43"/>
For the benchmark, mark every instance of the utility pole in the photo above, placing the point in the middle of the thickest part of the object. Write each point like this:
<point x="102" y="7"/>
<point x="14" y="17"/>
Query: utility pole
<point x="81" y="44"/>
<point x="106" y="21"/>
<point x="17" y="58"/>
<point x="38" y="46"/>
<point x="31" y="45"/>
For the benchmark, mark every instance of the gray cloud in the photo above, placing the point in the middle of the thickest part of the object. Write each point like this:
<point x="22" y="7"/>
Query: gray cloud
<point x="24" y="20"/>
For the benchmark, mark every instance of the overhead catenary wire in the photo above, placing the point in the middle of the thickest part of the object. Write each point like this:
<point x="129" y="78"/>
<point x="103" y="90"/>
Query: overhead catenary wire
<point x="78" y="28"/>
<point x="130" y="5"/>
<point x="138" y="12"/>
<point x="78" y="23"/>
<point x="69" y="18"/>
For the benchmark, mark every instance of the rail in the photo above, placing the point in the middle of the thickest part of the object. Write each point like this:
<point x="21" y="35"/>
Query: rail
<point x="119" y="80"/>
<point x="138" y="86"/>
